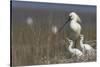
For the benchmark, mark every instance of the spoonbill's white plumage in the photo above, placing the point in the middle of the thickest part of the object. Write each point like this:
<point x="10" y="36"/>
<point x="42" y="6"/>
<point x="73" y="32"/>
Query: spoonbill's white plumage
<point x="86" y="47"/>
<point x="74" y="51"/>
<point x="73" y="27"/>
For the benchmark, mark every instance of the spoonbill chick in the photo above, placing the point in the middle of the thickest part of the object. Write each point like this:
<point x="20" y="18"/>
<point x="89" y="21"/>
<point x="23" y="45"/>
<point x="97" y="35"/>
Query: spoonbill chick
<point x="74" y="51"/>
<point x="85" y="47"/>
<point x="54" y="29"/>
<point x="73" y="26"/>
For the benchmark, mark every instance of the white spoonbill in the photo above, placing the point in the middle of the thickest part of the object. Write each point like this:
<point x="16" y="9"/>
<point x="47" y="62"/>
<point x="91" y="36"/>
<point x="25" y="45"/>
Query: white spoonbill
<point x="74" y="28"/>
<point x="86" y="48"/>
<point x="74" y="51"/>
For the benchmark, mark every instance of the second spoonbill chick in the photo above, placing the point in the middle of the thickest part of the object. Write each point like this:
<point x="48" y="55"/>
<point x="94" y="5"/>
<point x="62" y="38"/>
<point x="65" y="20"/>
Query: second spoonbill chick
<point x="74" y="51"/>
<point x="85" y="47"/>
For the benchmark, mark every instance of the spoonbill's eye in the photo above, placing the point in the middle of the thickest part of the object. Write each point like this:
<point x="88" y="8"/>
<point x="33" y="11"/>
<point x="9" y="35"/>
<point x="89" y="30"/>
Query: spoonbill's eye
<point x="71" y="17"/>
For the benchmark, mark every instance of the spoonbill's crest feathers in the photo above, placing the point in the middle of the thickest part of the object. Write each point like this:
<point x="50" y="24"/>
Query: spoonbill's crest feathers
<point x="74" y="16"/>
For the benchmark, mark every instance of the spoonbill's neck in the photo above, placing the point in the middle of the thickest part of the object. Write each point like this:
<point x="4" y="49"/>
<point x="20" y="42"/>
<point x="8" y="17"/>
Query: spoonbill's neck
<point x="74" y="20"/>
<point x="81" y="41"/>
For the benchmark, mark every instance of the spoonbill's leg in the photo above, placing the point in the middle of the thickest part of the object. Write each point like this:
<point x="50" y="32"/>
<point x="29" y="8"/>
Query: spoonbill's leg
<point x="75" y="43"/>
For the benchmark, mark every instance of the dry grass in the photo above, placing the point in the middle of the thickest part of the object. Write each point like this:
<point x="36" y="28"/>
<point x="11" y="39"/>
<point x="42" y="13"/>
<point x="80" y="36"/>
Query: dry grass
<point x="30" y="48"/>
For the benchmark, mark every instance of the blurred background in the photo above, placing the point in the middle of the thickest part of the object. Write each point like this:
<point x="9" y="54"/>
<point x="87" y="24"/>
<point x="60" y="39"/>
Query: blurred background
<point x="33" y="26"/>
